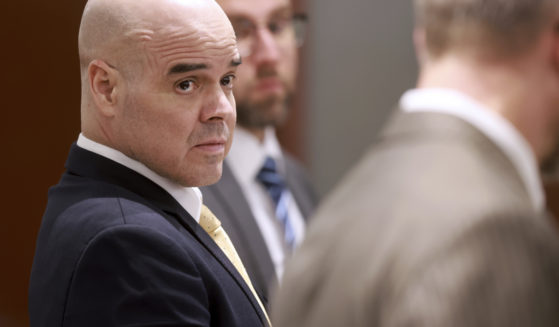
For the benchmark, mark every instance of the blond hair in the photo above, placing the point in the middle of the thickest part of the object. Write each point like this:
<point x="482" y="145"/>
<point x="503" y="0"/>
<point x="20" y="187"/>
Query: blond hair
<point x="503" y="27"/>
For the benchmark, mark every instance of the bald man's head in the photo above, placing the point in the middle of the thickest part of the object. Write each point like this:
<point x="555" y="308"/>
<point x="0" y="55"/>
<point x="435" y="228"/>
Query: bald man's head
<point x="116" y="30"/>
<point x="103" y="31"/>
<point x="157" y="79"/>
<point x="118" y="33"/>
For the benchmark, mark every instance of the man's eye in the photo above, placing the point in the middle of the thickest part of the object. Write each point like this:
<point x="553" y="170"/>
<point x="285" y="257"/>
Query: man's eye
<point x="186" y="86"/>
<point x="228" y="81"/>
<point x="278" y="26"/>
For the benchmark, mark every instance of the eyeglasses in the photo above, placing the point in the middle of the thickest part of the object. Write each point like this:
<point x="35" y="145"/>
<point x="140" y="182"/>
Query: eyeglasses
<point x="285" y="31"/>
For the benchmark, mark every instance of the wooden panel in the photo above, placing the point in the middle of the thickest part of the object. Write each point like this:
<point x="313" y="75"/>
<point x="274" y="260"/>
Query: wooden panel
<point x="41" y="96"/>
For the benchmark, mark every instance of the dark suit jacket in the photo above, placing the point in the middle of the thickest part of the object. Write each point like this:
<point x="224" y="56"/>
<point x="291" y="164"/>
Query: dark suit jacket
<point x="434" y="227"/>
<point x="115" y="249"/>
<point x="226" y="200"/>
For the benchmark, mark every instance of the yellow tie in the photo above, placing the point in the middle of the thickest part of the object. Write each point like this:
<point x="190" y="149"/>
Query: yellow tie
<point x="212" y="226"/>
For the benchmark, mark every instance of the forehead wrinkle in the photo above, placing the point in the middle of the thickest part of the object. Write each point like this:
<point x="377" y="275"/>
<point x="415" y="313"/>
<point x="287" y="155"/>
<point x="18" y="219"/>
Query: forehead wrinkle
<point x="156" y="46"/>
<point x="171" y="44"/>
<point x="195" y="39"/>
<point x="192" y="40"/>
<point x="199" y="48"/>
<point x="172" y="35"/>
<point x="211" y="49"/>
<point x="142" y="35"/>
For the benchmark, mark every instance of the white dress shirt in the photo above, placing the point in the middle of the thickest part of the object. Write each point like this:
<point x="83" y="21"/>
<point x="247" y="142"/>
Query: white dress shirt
<point x="246" y="158"/>
<point x="490" y="123"/>
<point x="190" y="198"/>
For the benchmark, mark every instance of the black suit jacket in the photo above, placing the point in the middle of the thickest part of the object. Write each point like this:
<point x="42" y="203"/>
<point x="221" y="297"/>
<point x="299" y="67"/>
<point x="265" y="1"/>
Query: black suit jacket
<point x="115" y="249"/>
<point x="227" y="201"/>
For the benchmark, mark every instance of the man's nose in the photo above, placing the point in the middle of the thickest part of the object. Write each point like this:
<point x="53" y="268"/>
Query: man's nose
<point x="266" y="47"/>
<point x="219" y="106"/>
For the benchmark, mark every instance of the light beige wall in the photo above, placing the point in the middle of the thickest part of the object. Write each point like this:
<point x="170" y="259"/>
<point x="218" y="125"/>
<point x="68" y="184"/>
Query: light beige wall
<point x="360" y="59"/>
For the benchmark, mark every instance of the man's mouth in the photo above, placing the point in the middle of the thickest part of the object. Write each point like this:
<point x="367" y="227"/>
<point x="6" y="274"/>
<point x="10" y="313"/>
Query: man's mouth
<point x="269" y="84"/>
<point x="214" y="145"/>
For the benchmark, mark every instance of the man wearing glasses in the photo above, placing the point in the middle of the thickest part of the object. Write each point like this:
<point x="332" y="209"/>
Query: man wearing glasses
<point x="264" y="196"/>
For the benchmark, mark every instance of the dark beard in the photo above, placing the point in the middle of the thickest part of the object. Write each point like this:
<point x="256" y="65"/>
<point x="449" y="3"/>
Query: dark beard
<point x="270" y="112"/>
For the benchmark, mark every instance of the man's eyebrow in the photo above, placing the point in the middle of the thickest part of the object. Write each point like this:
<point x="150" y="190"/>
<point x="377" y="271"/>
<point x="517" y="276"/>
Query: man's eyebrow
<point x="236" y="62"/>
<point x="185" y="68"/>
<point x="282" y="11"/>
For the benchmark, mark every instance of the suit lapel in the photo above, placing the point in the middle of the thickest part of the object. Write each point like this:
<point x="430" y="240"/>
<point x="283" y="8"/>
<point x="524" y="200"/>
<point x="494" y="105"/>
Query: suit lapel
<point x="207" y="242"/>
<point x="230" y="196"/>
<point x="296" y="183"/>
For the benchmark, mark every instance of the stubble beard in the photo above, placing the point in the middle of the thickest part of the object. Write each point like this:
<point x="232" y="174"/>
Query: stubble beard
<point x="271" y="111"/>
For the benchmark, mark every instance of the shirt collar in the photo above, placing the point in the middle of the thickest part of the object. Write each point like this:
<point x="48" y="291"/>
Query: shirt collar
<point x="490" y="123"/>
<point x="190" y="198"/>
<point x="247" y="154"/>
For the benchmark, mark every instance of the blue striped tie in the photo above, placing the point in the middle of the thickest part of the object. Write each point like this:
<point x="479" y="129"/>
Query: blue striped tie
<point x="275" y="185"/>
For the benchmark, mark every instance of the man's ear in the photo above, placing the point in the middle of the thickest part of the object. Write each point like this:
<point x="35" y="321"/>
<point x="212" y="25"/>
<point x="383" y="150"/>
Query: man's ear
<point x="103" y="83"/>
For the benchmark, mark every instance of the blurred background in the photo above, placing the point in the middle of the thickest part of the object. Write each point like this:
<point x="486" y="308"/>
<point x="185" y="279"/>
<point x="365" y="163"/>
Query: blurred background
<point x="356" y="62"/>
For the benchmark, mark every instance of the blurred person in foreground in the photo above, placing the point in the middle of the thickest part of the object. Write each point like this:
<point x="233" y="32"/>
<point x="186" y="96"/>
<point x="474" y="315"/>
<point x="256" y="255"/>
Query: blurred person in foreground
<point x="264" y="195"/>
<point x="442" y="223"/>
<point x="125" y="239"/>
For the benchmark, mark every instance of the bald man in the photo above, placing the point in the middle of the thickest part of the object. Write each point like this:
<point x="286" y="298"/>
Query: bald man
<point x="120" y="243"/>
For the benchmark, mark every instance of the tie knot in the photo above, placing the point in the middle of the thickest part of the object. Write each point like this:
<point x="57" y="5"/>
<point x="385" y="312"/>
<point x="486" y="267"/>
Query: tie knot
<point x="208" y="221"/>
<point x="269" y="165"/>
<point x="269" y="176"/>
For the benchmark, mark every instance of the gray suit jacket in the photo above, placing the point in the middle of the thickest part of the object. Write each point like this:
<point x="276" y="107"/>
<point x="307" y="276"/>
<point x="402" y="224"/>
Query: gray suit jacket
<point x="434" y="227"/>
<point x="227" y="201"/>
